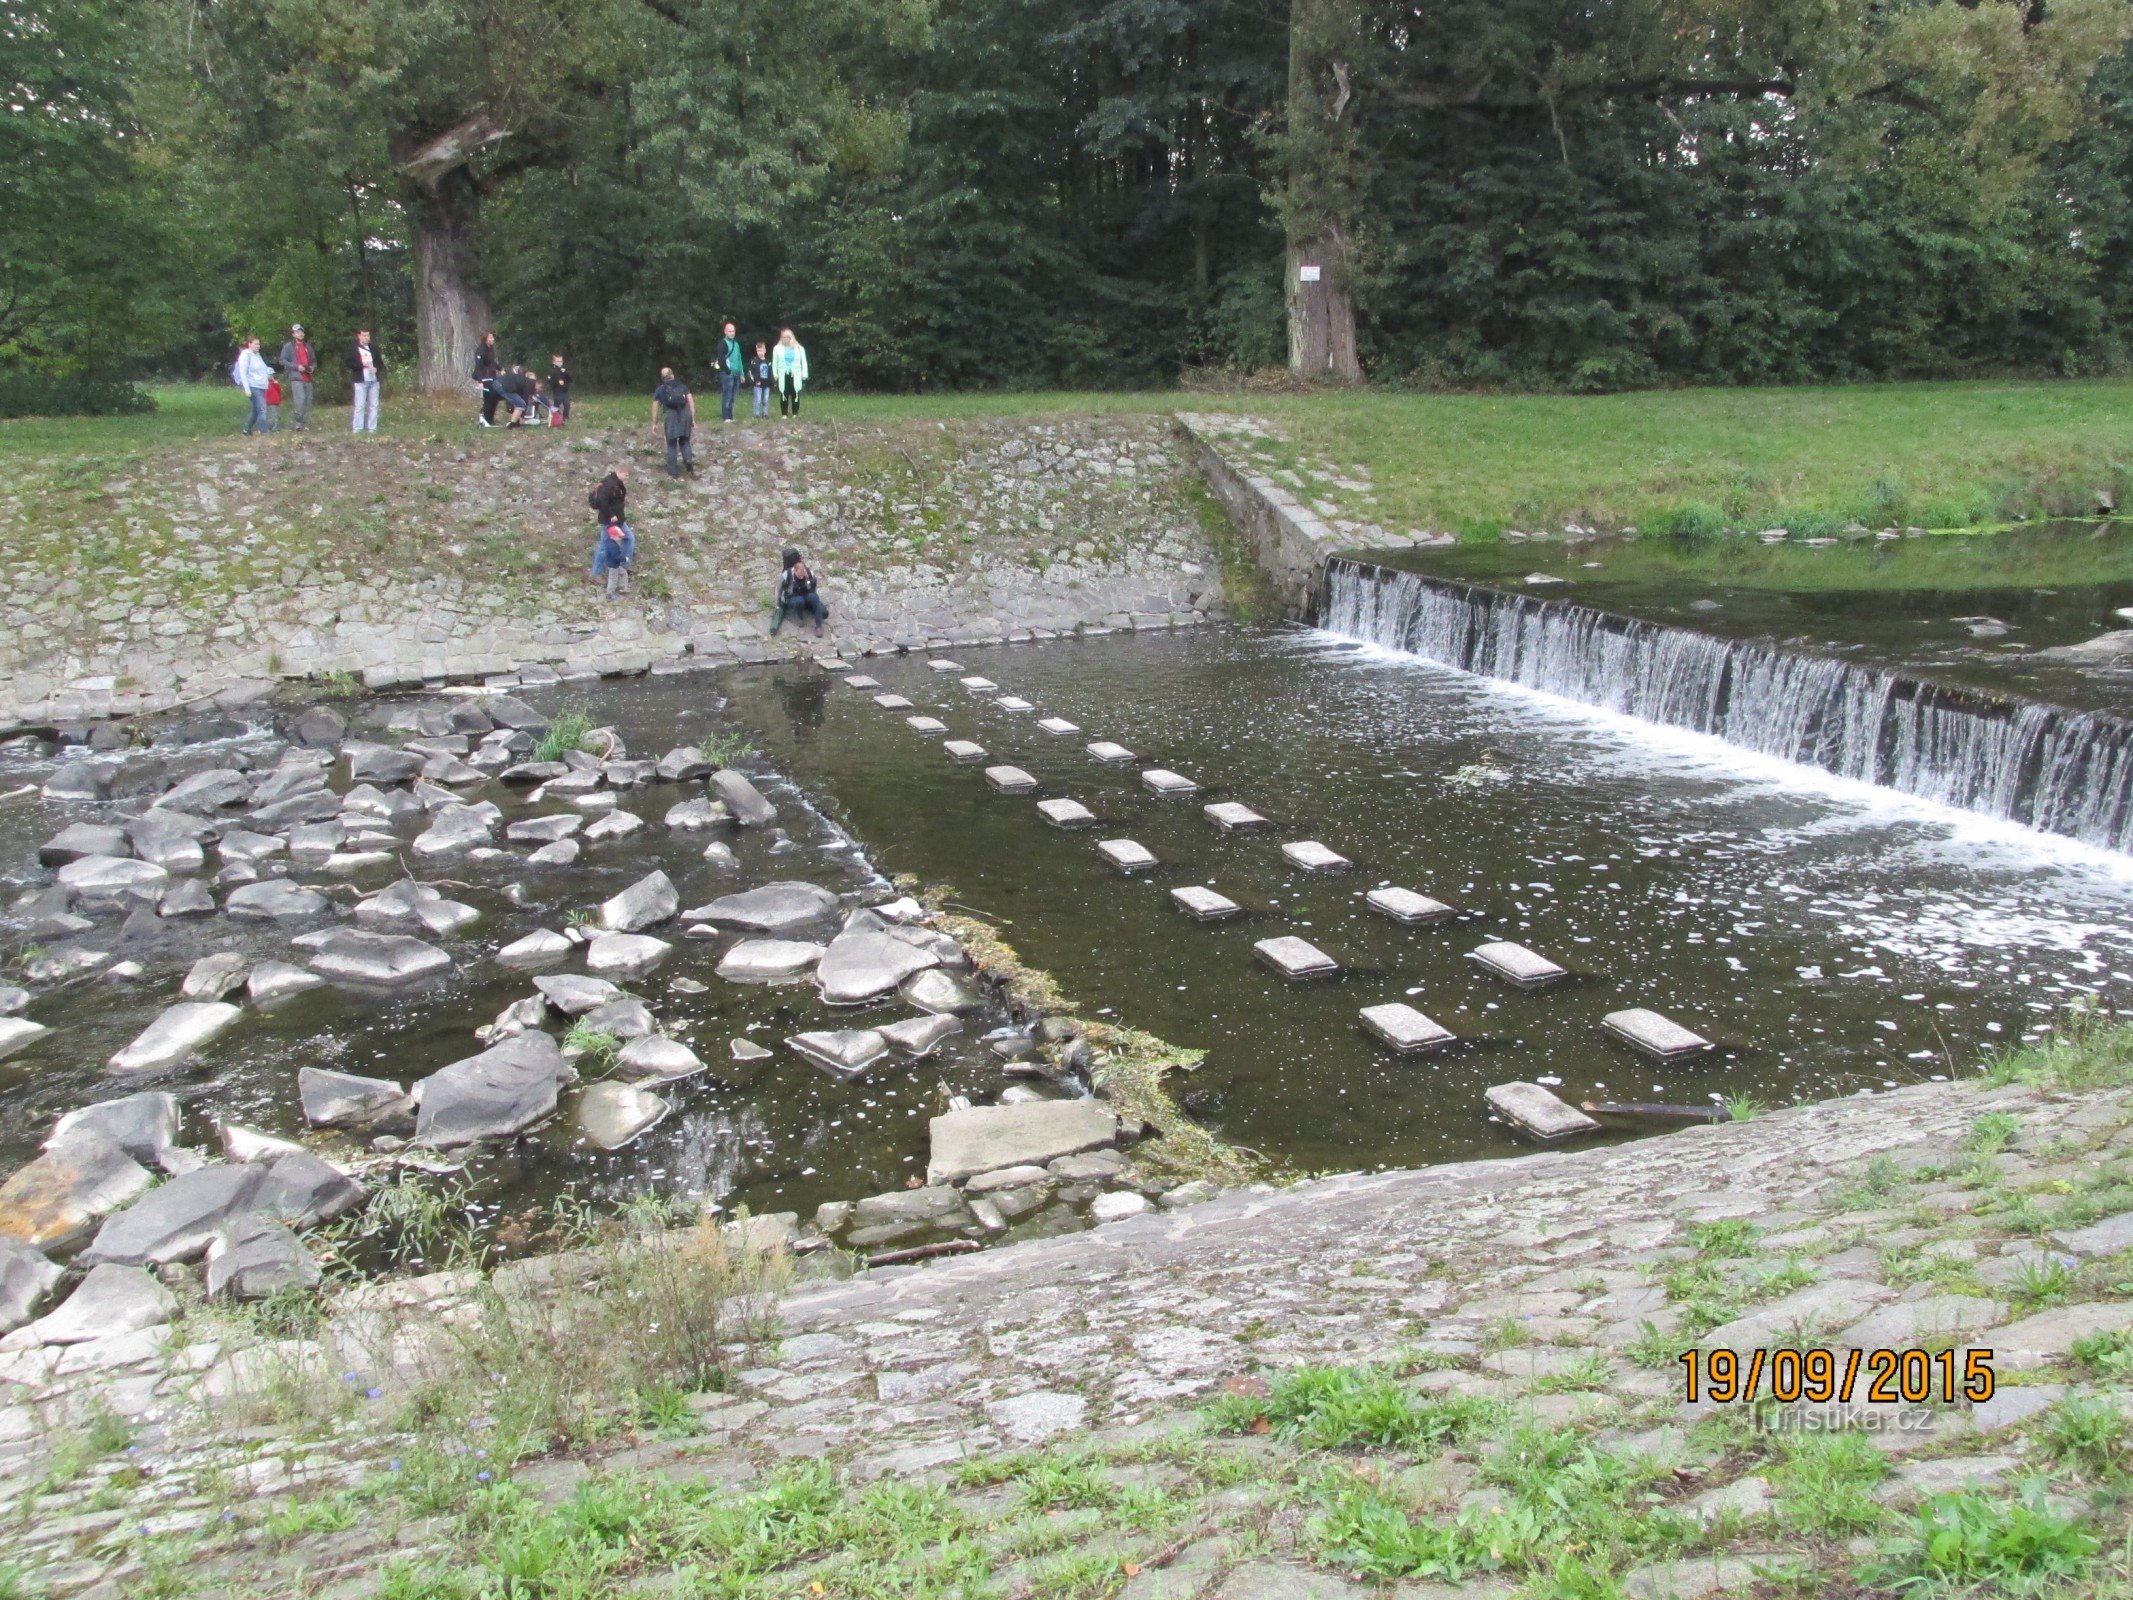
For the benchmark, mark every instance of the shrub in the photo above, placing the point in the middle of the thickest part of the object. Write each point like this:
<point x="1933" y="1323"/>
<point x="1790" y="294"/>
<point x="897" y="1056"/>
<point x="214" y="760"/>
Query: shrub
<point x="1968" y="1539"/>
<point x="28" y="392"/>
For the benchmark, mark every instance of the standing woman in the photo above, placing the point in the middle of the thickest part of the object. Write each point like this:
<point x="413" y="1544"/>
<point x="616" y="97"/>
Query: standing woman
<point x="251" y="373"/>
<point x="365" y="370"/>
<point x="788" y="366"/>
<point x="487" y="369"/>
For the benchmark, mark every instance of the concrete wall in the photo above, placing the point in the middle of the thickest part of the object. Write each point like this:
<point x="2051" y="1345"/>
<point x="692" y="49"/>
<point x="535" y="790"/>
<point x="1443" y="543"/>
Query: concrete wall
<point x="1289" y="539"/>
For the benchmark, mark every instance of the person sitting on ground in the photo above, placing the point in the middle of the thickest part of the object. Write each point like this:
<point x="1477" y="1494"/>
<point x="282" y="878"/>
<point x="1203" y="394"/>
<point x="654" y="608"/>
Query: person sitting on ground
<point x="613" y="555"/>
<point x="797" y="594"/>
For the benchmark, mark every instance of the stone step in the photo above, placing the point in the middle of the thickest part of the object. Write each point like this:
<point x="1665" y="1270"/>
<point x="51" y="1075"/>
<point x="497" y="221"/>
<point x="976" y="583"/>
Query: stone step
<point x="1315" y="857"/>
<point x="1203" y="905"/>
<point x="1009" y="702"/>
<point x="1404" y="1028"/>
<point x="1105" y="750"/>
<point x="981" y="686"/>
<point x="1295" y="958"/>
<point x="1127" y="855"/>
<point x="929" y="726"/>
<point x="1232" y="816"/>
<point x="942" y="664"/>
<point x="1065" y="813"/>
<point x="892" y="702"/>
<point x="1058" y="727"/>
<point x="1654" y="1034"/>
<point x="1515" y="962"/>
<point x="964" y="750"/>
<point x="860" y="680"/>
<point x="1404" y="905"/>
<point x="1010" y="780"/>
<point x="1161" y="780"/>
<point x="1538" y="1113"/>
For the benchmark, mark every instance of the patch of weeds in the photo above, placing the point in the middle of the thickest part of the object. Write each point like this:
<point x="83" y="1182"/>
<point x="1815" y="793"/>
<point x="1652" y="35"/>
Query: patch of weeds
<point x="663" y="1410"/>
<point x="2085" y="1050"/>
<point x="1877" y="1180"/>
<point x="1723" y="1240"/>
<point x="566" y="732"/>
<point x="2040" y="1281"/>
<point x="332" y="1513"/>
<point x="1065" y="1482"/>
<point x="1589" y="1371"/>
<point x="1505" y="1333"/>
<point x="337" y="684"/>
<point x="1339" y="1408"/>
<point x="1362" y="1530"/>
<point x="1991" y="1133"/>
<point x="2108" y="1355"/>
<point x="595" y="1047"/>
<point x="2089" y="1435"/>
<point x="1823" y="1482"/>
<point x="409" y="1221"/>
<point x="1996" y="1546"/>
<point x="1082" y="1575"/>
<point x="728" y="750"/>
<point x="1742" y="1107"/>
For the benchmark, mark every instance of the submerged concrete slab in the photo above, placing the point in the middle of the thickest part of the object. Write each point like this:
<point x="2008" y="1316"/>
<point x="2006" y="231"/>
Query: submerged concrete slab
<point x="981" y="685"/>
<point x="1295" y="958"/>
<point x="1010" y="780"/>
<point x="860" y="680"/>
<point x="892" y="702"/>
<point x="963" y="750"/>
<point x="1315" y="857"/>
<point x="931" y="727"/>
<point x="1009" y="702"/>
<point x="1161" y="780"/>
<point x="1065" y="813"/>
<point x="1515" y="962"/>
<point x="1537" y="1112"/>
<point x="1105" y="750"/>
<point x="1404" y="905"/>
<point x="1058" y="727"/>
<point x="1203" y="905"/>
<point x="1128" y="855"/>
<point x="987" y="1138"/>
<point x="1232" y="816"/>
<point x="1404" y="1028"/>
<point x="1654" y="1034"/>
<point x="943" y="664"/>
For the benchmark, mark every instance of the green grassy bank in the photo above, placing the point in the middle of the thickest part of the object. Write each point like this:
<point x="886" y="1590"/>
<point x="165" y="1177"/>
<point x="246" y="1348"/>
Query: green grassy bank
<point x="1697" y="460"/>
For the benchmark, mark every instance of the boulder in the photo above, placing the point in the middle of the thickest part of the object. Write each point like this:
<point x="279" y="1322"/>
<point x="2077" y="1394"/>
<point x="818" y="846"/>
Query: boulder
<point x="110" y="1301"/>
<point x="682" y="764"/>
<point x="253" y="1256"/>
<point x="454" y="827"/>
<point x="81" y="780"/>
<point x="653" y="1058"/>
<point x="26" y="1277"/>
<point x="188" y="897"/>
<point x="844" y="1053"/>
<point x="396" y="904"/>
<point x="539" y="948"/>
<point x="770" y="961"/>
<point x="919" y="1037"/>
<point x="277" y="980"/>
<point x="17" y="1034"/>
<point x="612" y="1114"/>
<point x="110" y="880"/>
<point x="616" y="824"/>
<point x="240" y="844"/>
<point x="508" y="711"/>
<point x="441" y="916"/>
<point x="14" y="1000"/>
<point x="575" y="996"/>
<point x="143" y="1125"/>
<point x="774" y="908"/>
<point x="167" y="840"/>
<point x="743" y="799"/>
<point x="78" y="839"/>
<point x="318" y="728"/>
<point x="249" y="1144"/>
<point x="307" y="805"/>
<point x="651" y="900"/>
<point x="58" y="1199"/>
<point x="181" y="1032"/>
<point x="276" y="900"/>
<point x="882" y="1219"/>
<point x="344" y="1100"/>
<point x="560" y="854"/>
<point x="985" y="1138"/>
<point x="625" y="955"/>
<point x="313" y="842"/>
<point x="625" y="1018"/>
<point x="377" y="763"/>
<point x="544" y="830"/>
<point x="452" y="772"/>
<point x="697" y="813"/>
<point x="215" y="976"/>
<point x="533" y="772"/>
<point x="208" y="791"/>
<point x="300" y="1190"/>
<point x="859" y="967"/>
<point x="502" y="1091"/>
<point x="286" y="781"/>
<point x="175" y="1222"/>
<point x="384" y="959"/>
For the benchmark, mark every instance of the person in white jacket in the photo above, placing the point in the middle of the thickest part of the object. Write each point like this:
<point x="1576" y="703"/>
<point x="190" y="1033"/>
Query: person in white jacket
<point x="252" y="374"/>
<point x="788" y="372"/>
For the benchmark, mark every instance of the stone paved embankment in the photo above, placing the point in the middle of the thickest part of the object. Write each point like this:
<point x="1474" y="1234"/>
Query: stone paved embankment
<point x="210" y="571"/>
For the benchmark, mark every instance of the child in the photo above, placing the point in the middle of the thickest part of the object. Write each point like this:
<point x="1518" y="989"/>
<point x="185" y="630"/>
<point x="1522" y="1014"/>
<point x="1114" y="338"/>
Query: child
<point x="797" y="596"/>
<point x="558" y="392"/>
<point x="613" y="555"/>
<point x="759" y="375"/>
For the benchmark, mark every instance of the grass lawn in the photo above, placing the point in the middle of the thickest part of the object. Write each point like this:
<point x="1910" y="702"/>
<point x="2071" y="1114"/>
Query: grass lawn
<point x="1698" y="460"/>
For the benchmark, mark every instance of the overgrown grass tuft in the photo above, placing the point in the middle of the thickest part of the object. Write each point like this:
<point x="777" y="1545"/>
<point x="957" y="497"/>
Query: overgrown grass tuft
<point x="2085" y="1050"/>
<point x="1341" y="1408"/>
<point x="1973" y="1542"/>
<point x="566" y="732"/>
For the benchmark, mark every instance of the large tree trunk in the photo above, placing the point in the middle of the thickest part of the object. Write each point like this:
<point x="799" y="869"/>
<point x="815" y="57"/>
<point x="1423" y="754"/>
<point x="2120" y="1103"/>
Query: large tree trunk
<point x="1319" y="287"/>
<point x="451" y="308"/>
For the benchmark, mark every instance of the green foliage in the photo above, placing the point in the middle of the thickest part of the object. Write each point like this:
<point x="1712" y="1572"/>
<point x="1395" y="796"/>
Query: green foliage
<point x="597" y="1046"/>
<point x="566" y="732"/>
<point x="1338" y="1408"/>
<point x="1991" y="1133"/>
<point x="28" y="392"/>
<point x="2089" y="1435"/>
<point x="2085" y="1050"/>
<point x="2108" y="1355"/>
<point x="1824" y="1482"/>
<point x="1970" y="1539"/>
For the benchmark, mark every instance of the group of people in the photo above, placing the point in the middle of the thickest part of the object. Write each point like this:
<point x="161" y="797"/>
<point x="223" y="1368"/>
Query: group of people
<point x="798" y="594"/>
<point x="289" y="382"/>
<point x="781" y="368"/>
<point x="529" y="398"/>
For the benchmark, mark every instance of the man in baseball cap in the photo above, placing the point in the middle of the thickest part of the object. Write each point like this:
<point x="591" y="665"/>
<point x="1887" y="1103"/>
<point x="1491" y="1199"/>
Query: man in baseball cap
<point x="298" y="362"/>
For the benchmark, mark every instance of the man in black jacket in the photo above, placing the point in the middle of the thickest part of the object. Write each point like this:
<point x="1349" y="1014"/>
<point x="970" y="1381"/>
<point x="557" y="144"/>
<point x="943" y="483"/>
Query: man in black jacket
<point x="487" y="369"/>
<point x="366" y="368"/>
<point x="674" y="408"/>
<point x="516" y="390"/>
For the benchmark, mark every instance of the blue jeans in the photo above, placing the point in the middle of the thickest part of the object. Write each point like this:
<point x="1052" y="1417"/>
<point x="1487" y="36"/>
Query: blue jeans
<point x="257" y="421"/>
<point x="808" y="607"/>
<point x="762" y="399"/>
<point x="729" y="385"/>
<point x="363" y="407"/>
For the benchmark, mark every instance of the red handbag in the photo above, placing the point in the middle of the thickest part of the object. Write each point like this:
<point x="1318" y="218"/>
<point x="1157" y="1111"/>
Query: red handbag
<point x="273" y="391"/>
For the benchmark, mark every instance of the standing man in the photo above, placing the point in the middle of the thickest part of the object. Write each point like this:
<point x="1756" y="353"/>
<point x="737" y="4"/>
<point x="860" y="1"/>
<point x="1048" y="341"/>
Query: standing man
<point x="365" y="370"/>
<point x="788" y="365"/>
<point x="674" y="407"/>
<point x="298" y="363"/>
<point x="252" y="374"/>
<point x="731" y="364"/>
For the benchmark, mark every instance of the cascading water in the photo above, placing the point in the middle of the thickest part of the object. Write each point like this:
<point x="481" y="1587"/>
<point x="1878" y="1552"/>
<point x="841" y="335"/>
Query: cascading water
<point x="2064" y="771"/>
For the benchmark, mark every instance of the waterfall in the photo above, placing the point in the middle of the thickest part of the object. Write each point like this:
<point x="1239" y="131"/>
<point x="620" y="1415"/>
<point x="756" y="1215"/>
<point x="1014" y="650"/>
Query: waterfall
<point x="2064" y="771"/>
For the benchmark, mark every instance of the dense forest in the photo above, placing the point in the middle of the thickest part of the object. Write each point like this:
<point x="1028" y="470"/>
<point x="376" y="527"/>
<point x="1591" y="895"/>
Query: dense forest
<point x="999" y="193"/>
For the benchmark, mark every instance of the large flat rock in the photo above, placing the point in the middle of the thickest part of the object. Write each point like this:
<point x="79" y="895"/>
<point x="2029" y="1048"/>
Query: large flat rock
<point x="110" y="1301"/>
<point x="502" y="1091"/>
<point x="58" y="1199"/>
<point x="859" y="967"/>
<point x="26" y="1277"/>
<point x="612" y="1114"/>
<point x="143" y="1125"/>
<point x="383" y="960"/>
<point x="344" y="1100"/>
<point x="774" y="908"/>
<point x="180" y="1033"/>
<point x="986" y="1138"/>
<point x="770" y="961"/>
<point x="177" y="1221"/>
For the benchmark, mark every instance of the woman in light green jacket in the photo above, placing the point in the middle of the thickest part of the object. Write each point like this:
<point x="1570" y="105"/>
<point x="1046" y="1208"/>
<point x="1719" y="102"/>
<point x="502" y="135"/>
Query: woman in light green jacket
<point x="788" y="371"/>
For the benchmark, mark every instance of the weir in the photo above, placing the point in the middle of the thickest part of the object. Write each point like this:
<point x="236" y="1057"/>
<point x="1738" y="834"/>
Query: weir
<point x="2053" y="768"/>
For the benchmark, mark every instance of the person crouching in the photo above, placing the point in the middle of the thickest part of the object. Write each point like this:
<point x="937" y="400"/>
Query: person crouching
<point x="613" y="555"/>
<point x="797" y="596"/>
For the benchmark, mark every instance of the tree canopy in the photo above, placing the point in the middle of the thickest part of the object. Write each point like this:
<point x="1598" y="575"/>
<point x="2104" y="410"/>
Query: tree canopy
<point x="1082" y="192"/>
